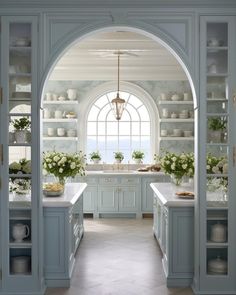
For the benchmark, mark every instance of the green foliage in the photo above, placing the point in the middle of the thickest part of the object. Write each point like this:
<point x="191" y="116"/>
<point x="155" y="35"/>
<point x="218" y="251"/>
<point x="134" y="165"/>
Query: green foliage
<point x="217" y="123"/>
<point x="21" y="124"/>
<point x="118" y="156"/>
<point x="137" y="155"/>
<point x="95" y="156"/>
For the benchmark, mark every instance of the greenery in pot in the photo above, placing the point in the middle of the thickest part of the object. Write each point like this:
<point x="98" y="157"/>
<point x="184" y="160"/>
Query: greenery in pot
<point x="119" y="156"/>
<point x="64" y="165"/>
<point x="138" y="155"/>
<point x="217" y="123"/>
<point x="21" y="124"/>
<point x="95" y="156"/>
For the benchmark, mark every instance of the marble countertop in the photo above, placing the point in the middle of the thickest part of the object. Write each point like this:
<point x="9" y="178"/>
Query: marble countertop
<point x="166" y="194"/>
<point x="71" y="194"/>
<point x="121" y="172"/>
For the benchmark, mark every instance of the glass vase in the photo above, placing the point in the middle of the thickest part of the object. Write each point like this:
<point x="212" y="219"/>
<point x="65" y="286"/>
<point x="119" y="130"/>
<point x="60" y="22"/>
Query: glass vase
<point x="176" y="179"/>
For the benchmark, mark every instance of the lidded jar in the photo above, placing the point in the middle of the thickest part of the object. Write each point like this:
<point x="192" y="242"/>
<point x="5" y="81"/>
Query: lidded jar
<point x="218" y="233"/>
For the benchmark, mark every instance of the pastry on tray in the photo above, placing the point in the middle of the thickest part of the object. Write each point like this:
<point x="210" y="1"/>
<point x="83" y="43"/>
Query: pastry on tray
<point x="185" y="194"/>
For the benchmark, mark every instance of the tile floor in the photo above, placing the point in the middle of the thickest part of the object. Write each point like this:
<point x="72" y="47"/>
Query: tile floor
<point x="118" y="257"/>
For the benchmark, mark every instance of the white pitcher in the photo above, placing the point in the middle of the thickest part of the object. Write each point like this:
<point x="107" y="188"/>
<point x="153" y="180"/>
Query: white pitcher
<point x="20" y="231"/>
<point x="72" y="94"/>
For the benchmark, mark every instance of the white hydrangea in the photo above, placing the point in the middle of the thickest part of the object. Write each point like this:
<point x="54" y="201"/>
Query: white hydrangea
<point x="61" y="170"/>
<point x="173" y="166"/>
<point x="72" y="165"/>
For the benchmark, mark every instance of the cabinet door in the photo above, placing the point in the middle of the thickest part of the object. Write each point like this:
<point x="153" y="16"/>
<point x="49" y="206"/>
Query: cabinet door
<point x="20" y="186"/>
<point x="217" y="203"/>
<point x="108" y="199"/>
<point x="89" y="196"/>
<point x="128" y="199"/>
<point x="147" y="194"/>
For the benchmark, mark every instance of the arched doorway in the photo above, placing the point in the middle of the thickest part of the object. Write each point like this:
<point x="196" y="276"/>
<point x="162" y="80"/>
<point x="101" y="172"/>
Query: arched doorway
<point x="110" y="30"/>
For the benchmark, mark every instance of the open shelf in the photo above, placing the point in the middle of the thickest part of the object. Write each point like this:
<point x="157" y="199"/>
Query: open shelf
<point x="63" y="102"/>
<point x="176" y="138"/>
<point x="63" y="120"/>
<point x="169" y="120"/>
<point x="60" y="138"/>
<point x="172" y="102"/>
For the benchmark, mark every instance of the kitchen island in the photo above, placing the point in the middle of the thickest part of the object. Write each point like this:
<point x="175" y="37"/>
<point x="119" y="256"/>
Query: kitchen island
<point x="173" y="227"/>
<point x="63" y="231"/>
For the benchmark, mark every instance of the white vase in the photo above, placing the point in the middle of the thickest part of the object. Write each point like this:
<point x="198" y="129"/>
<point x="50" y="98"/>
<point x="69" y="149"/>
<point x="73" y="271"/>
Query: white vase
<point x="96" y="161"/>
<point x="21" y="136"/>
<point x="138" y="161"/>
<point x="118" y="161"/>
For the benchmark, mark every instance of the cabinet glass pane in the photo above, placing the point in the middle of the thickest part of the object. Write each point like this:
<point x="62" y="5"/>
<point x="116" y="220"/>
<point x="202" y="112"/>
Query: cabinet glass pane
<point x="215" y="257"/>
<point x="19" y="152"/>
<point x="217" y="127"/>
<point x="217" y="87"/>
<point x="217" y="35"/>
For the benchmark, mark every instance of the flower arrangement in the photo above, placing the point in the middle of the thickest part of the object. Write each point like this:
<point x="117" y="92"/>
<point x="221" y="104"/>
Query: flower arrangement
<point x="216" y="165"/>
<point x="64" y="165"/>
<point x="138" y="156"/>
<point x="21" y="124"/>
<point x="95" y="156"/>
<point x="21" y="167"/>
<point x="177" y="165"/>
<point x="20" y="186"/>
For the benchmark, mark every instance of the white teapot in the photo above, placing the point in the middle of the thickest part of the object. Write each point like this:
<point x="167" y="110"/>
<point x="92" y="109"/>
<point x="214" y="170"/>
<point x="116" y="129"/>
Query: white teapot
<point x="72" y="94"/>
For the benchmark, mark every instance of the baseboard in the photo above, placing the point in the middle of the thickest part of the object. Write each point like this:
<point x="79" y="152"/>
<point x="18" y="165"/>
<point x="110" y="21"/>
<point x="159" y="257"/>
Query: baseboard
<point x="57" y="283"/>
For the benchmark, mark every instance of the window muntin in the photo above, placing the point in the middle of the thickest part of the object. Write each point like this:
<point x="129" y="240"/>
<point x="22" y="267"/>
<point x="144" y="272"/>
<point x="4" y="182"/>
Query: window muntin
<point x="106" y="134"/>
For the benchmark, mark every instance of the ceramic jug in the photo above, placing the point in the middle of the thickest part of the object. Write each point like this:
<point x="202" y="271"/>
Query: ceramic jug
<point x="46" y="113"/>
<point x="58" y="114"/>
<point x="20" y="231"/>
<point x="218" y="233"/>
<point x="72" y="93"/>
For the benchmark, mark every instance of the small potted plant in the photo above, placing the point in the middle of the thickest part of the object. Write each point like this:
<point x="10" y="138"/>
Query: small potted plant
<point x="119" y="156"/>
<point x="95" y="157"/>
<point x="217" y="128"/>
<point x="137" y="156"/>
<point x="22" y="127"/>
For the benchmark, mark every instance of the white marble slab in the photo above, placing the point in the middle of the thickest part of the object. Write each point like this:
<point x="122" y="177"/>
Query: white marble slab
<point x="166" y="194"/>
<point x="71" y="194"/>
<point x="122" y="172"/>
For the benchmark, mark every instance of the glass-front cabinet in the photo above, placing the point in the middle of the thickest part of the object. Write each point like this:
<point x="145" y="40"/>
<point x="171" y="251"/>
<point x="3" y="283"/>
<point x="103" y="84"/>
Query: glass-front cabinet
<point x="217" y="204"/>
<point x="20" y="205"/>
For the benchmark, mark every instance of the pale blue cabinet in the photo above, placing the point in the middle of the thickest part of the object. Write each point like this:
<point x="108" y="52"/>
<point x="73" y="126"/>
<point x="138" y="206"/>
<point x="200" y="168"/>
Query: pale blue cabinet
<point x="21" y="266"/>
<point x="174" y="230"/>
<point x="147" y="192"/>
<point x="108" y="199"/>
<point x="63" y="230"/>
<point x="90" y="197"/>
<point x="128" y="199"/>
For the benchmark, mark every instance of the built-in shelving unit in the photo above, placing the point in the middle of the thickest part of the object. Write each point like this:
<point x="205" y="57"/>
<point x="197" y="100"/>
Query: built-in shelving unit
<point x="216" y="267"/>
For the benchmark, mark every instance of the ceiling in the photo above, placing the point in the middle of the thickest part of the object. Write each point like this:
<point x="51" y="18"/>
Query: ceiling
<point x="94" y="59"/>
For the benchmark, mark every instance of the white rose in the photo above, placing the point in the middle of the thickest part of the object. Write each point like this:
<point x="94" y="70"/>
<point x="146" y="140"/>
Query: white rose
<point x="167" y="162"/>
<point x="44" y="172"/>
<point x="64" y="159"/>
<point x="184" y="166"/>
<point x="173" y="166"/>
<point x="72" y="165"/>
<point x="208" y="167"/>
<point x="61" y="170"/>
<point x="49" y="165"/>
<point x="174" y="159"/>
<point x="56" y="158"/>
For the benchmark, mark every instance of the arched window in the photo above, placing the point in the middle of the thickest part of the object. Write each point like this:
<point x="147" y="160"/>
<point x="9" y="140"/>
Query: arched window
<point x="107" y="135"/>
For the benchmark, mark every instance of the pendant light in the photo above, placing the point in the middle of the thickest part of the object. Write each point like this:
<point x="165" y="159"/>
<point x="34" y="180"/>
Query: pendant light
<point x="118" y="103"/>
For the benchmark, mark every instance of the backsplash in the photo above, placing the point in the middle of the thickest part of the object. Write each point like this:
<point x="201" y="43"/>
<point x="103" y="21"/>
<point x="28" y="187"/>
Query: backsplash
<point x="154" y="88"/>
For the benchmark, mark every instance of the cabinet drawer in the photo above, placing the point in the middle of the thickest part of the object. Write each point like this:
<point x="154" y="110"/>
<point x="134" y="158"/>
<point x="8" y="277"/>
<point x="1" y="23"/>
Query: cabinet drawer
<point x="90" y="180"/>
<point x="108" y="180"/>
<point x="130" y="180"/>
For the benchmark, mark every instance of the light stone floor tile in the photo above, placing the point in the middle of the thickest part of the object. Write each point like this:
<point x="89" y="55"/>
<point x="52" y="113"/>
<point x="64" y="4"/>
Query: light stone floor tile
<point x="118" y="257"/>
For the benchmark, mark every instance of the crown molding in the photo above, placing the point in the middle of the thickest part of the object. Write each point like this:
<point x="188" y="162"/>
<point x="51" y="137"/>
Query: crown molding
<point x="119" y="4"/>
